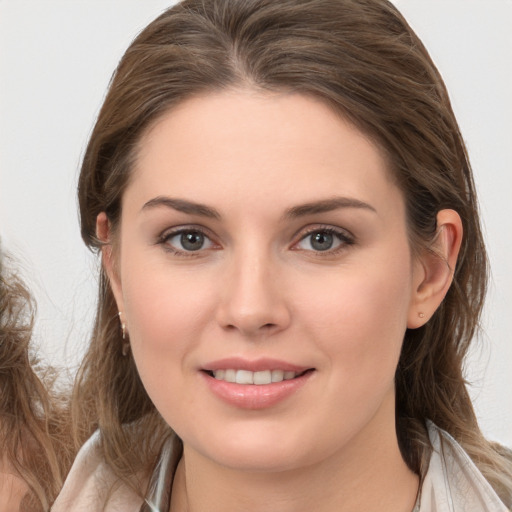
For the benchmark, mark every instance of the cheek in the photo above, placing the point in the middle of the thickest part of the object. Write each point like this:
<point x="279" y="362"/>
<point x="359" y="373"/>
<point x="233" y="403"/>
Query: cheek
<point x="359" y="316"/>
<point x="358" y="326"/>
<point x="165" y="314"/>
<point x="164" y="325"/>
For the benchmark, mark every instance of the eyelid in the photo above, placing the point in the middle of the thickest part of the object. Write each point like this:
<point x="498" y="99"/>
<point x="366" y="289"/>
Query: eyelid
<point x="346" y="237"/>
<point x="184" y="228"/>
<point x="169" y="233"/>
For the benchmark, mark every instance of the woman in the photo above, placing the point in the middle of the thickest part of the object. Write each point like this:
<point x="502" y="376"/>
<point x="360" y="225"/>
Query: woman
<point x="34" y="427"/>
<point x="293" y="270"/>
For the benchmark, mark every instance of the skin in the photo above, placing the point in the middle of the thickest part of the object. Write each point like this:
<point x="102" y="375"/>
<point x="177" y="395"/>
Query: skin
<point x="259" y="288"/>
<point x="12" y="487"/>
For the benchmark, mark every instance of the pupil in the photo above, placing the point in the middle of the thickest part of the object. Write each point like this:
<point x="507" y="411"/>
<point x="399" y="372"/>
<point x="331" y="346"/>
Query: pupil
<point x="321" y="241"/>
<point x="192" y="241"/>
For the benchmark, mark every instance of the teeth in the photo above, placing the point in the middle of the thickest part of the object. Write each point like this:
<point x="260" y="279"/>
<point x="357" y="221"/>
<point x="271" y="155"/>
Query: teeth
<point x="230" y="376"/>
<point x="277" y="375"/>
<point x="264" y="377"/>
<point x="258" y="378"/>
<point x="244" y="377"/>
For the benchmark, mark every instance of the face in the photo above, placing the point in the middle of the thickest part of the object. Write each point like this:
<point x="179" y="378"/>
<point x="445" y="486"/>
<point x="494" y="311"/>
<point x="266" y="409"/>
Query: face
<point x="262" y="241"/>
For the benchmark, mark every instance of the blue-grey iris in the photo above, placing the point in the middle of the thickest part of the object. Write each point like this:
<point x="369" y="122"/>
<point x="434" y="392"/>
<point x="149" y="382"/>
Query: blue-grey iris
<point x="192" y="240"/>
<point x="321" y="241"/>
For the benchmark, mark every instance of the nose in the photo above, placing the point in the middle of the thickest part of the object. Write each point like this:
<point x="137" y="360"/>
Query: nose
<point x="253" y="299"/>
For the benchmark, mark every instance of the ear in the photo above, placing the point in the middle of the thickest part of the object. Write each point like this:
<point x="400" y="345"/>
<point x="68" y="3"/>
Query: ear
<point x="108" y="257"/>
<point x="433" y="272"/>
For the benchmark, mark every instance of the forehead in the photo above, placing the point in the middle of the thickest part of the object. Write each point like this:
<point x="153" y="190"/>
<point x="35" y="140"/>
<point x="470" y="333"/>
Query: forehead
<point x="249" y="143"/>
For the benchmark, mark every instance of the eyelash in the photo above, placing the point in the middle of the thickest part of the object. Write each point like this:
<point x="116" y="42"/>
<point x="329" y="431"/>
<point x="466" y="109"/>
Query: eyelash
<point x="346" y="239"/>
<point x="166" y="236"/>
<point x="342" y="236"/>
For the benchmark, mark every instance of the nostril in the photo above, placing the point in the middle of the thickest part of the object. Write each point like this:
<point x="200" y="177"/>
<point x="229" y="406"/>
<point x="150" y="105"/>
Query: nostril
<point x="264" y="327"/>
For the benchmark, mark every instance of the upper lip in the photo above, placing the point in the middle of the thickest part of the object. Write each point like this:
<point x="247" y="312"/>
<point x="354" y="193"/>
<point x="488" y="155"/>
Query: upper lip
<point x="256" y="365"/>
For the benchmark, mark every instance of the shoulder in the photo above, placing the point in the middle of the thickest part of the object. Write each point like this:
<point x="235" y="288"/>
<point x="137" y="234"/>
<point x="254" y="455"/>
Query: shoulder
<point x="453" y="483"/>
<point x="92" y="486"/>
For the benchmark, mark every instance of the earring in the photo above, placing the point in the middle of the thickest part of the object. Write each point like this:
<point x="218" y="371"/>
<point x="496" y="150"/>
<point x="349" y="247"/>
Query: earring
<point x="125" y="348"/>
<point x="421" y="314"/>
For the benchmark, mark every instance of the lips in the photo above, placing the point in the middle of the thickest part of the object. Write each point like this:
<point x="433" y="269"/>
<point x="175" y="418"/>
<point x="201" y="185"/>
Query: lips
<point x="254" y="384"/>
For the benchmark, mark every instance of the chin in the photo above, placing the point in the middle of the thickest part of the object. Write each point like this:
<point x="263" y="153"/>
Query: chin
<point x="268" y="460"/>
<point x="257" y="451"/>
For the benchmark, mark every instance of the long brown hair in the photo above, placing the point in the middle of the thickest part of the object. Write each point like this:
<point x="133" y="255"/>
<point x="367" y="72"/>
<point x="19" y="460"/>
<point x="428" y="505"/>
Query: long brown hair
<point x="362" y="58"/>
<point x="34" y="415"/>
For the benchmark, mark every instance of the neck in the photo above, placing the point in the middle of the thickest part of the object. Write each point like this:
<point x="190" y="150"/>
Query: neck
<point x="369" y="475"/>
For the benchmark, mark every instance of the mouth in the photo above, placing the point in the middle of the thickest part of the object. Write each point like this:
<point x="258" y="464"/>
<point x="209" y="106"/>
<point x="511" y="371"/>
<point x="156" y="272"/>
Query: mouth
<point x="255" y="383"/>
<point x="256" y="378"/>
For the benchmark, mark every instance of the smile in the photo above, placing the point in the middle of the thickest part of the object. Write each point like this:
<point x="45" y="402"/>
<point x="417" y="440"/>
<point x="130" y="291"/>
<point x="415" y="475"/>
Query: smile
<point x="256" y="378"/>
<point x="257" y="388"/>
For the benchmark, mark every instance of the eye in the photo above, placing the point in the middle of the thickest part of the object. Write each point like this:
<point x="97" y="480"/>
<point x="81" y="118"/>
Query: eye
<point x="323" y="240"/>
<point x="186" y="241"/>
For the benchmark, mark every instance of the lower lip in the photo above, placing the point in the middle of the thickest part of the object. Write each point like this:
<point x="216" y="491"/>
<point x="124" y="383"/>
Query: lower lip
<point x="252" y="396"/>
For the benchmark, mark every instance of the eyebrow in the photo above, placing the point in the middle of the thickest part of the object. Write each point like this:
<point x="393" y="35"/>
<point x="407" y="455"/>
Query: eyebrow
<point x="182" y="205"/>
<point x="326" y="205"/>
<point x="314" y="207"/>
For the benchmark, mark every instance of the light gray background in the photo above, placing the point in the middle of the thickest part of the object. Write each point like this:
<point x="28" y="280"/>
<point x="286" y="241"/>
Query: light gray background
<point x="55" y="63"/>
